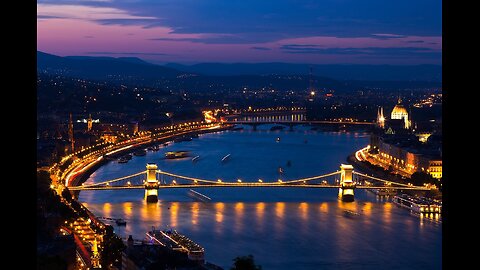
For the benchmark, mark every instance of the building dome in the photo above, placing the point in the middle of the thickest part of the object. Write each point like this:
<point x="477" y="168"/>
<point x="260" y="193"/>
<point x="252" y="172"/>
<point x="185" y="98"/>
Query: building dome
<point x="399" y="109"/>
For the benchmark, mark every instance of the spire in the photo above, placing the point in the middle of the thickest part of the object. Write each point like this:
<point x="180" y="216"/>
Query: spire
<point x="89" y="123"/>
<point x="380" y="118"/>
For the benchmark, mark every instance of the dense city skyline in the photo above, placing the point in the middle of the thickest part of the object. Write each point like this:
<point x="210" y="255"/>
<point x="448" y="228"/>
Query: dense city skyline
<point x="329" y="32"/>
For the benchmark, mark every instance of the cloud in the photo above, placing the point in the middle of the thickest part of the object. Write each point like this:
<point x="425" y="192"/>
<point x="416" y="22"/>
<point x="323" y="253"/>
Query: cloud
<point x="260" y="48"/>
<point x="253" y="21"/>
<point x="125" y="53"/>
<point x="83" y="12"/>
<point x="417" y="41"/>
<point x="367" y="51"/>
<point x="174" y="39"/>
<point x="387" y="36"/>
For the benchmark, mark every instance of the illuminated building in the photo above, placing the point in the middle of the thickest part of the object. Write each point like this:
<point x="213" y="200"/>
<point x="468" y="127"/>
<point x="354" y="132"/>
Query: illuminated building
<point x="89" y="122"/>
<point x="394" y="146"/>
<point x="400" y="113"/>
<point x="400" y="153"/>
<point x="380" y="118"/>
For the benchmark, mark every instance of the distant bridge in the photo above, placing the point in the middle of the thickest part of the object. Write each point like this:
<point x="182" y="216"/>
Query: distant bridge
<point x="156" y="179"/>
<point x="288" y="120"/>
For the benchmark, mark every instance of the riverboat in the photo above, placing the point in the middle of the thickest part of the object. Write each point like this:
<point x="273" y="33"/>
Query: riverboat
<point x="176" y="154"/>
<point x="173" y="240"/>
<point x="419" y="205"/>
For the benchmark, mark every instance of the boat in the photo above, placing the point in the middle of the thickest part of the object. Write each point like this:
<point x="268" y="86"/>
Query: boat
<point x="195" y="158"/>
<point x="225" y="157"/>
<point x="350" y="213"/>
<point x="280" y="170"/>
<point x="420" y="205"/>
<point x="277" y="128"/>
<point x="237" y="128"/>
<point x="120" y="222"/>
<point x="122" y="160"/>
<point x="140" y="152"/>
<point x="176" y="154"/>
<point x="194" y="135"/>
<point x="128" y="156"/>
<point x="198" y="196"/>
<point x="173" y="240"/>
<point x="278" y="139"/>
<point x="165" y="144"/>
<point x="383" y="191"/>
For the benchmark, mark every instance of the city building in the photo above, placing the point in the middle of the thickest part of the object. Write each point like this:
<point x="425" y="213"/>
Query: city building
<point x="395" y="146"/>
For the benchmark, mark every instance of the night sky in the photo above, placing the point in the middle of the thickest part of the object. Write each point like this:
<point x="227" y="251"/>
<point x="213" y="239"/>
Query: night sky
<point x="193" y="31"/>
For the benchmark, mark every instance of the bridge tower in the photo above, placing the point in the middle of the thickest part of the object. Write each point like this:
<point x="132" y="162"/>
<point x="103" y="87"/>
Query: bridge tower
<point x="346" y="191"/>
<point x="151" y="184"/>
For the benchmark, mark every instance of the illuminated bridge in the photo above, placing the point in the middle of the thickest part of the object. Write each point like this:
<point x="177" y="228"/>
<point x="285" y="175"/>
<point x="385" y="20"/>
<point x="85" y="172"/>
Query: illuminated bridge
<point x="288" y="120"/>
<point x="153" y="179"/>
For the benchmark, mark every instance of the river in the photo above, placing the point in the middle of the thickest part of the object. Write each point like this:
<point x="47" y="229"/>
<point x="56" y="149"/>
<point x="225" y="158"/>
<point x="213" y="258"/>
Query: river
<point x="284" y="228"/>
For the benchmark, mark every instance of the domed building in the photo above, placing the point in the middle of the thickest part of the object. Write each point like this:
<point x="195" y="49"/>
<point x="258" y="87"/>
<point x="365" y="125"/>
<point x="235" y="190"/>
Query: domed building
<point x="400" y="113"/>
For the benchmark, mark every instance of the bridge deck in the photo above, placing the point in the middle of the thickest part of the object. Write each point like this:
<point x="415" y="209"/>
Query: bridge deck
<point x="244" y="185"/>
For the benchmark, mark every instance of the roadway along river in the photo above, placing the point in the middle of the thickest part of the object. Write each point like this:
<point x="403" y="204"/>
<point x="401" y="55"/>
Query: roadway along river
<point x="283" y="228"/>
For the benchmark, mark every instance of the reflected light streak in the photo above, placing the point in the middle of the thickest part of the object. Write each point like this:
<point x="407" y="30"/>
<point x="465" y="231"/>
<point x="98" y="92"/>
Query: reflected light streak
<point x="280" y="209"/>
<point x="324" y="207"/>
<point x="219" y="207"/>
<point x="173" y="214"/>
<point x="239" y="207"/>
<point x="260" y="210"/>
<point x="387" y="211"/>
<point x="367" y="208"/>
<point x="127" y="209"/>
<point x="304" y="210"/>
<point x="107" y="209"/>
<point x="195" y="209"/>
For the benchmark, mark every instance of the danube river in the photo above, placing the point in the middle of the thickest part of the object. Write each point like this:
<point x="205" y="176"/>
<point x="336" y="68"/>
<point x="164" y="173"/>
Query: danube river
<point x="284" y="228"/>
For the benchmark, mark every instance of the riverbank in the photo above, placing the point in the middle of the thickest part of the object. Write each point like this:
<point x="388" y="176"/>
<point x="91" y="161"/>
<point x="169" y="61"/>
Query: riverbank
<point x="92" y="167"/>
<point x="367" y="168"/>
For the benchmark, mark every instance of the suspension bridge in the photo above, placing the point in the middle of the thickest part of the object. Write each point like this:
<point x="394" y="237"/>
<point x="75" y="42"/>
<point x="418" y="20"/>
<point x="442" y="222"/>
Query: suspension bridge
<point x="154" y="179"/>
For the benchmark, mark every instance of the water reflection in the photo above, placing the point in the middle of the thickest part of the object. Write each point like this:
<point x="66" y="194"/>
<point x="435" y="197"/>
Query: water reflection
<point x="195" y="209"/>
<point x="259" y="213"/>
<point x="324" y="207"/>
<point x="127" y="209"/>
<point x="387" y="212"/>
<point x="367" y="208"/>
<point x="239" y="210"/>
<point x="219" y="207"/>
<point x="107" y="209"/>
<point x="280" y="209"/>
<point x="304" y="210"/>
<point x="174" y="214"/>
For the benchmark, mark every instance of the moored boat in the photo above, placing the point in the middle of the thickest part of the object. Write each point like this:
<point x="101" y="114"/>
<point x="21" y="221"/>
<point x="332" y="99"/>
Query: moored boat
<point x="176" y="154"/>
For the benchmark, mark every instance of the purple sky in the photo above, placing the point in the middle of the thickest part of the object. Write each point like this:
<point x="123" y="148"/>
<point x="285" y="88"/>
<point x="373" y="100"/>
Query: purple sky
<point x="295" y="31"/>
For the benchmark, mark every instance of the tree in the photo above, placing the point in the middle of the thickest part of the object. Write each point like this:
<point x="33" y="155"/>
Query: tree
<point x="245" y="263"/>
<point x="66" y="194"/>
<point x="112" y="249"/>
<point x="420" y="178"/>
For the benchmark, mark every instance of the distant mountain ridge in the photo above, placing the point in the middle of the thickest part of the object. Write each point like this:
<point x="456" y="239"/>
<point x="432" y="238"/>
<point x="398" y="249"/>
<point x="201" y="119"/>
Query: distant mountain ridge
<point x="103" y="67"/>
<point x="431" y="73"/>
<point x="134" y="70"/>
